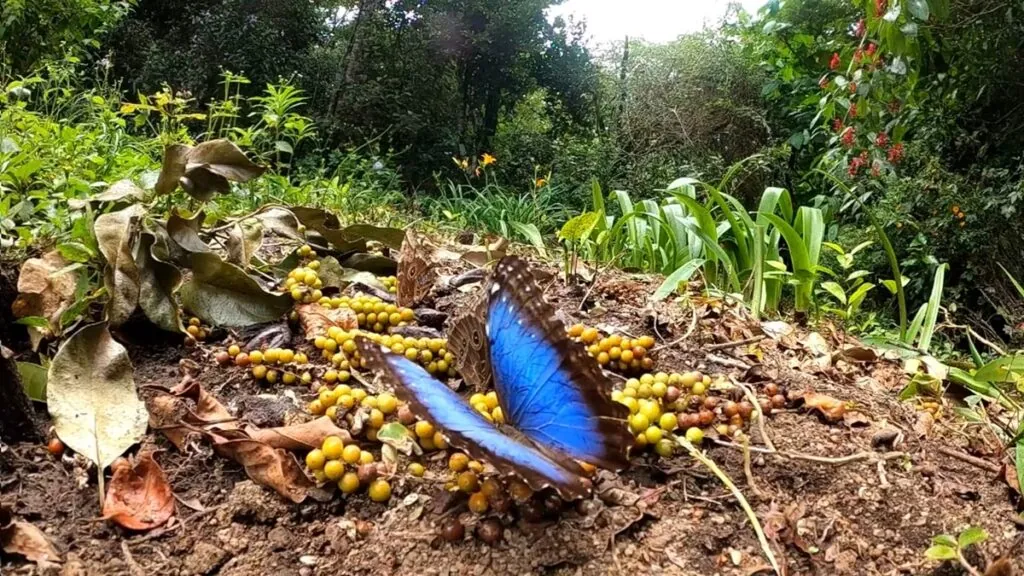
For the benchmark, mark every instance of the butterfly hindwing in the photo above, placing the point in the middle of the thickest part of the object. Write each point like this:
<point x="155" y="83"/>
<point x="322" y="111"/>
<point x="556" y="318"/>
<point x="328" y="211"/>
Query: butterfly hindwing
<point x="549" y="388"/>
<point x="467" y="340"/>
<point x="466" y="429"/>
<point x="416" y="274"/>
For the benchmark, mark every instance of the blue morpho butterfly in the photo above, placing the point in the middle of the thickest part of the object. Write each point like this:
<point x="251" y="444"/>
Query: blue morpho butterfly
<point x="556" y="401"/>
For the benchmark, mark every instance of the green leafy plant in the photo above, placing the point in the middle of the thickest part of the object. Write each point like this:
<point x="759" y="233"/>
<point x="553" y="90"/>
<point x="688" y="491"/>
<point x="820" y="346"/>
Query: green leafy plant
<point x="947" y="547"/>
<point x="850" y="286"/>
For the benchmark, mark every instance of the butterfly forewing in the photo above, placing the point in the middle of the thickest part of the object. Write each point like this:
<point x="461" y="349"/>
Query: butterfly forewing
<point x="416" y="273"/>
<point x="467" y="340"/>
<point x="466" y="429"/>
<point x="548" y="387"/>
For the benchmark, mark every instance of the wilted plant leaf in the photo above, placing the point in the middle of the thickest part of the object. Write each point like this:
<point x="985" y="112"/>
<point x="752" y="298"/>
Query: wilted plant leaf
<point x="224" y="295"/>
<point x="206" y="169"/>
<point x="120" y="191"/>
<point x="379" y="265"/>
<point x="316" y="319"/>
<point x="332" y="273"/>
<point x="327" y="225"/>
<point x="139" y="497"/>
<point x="116" y="235"/>
<point x="44" y="294"/>
<point x="305" y="436"/>
<point x="175" y="158"/>
<point x="185" y="232"/>
<point x="91" y="396"/>
<point x="244" y="240"/>
<point x="390" y="237"/>
<point x="26" y="540"/>
<point x="268" y="466"/>
<point x="399" y="437"/>
<point x="157" y="282"/>
<point x="281" y="221"/>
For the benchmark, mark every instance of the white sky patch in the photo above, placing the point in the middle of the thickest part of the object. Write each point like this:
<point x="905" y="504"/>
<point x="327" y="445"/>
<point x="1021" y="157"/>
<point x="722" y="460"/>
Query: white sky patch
<point x="652" y="20"/>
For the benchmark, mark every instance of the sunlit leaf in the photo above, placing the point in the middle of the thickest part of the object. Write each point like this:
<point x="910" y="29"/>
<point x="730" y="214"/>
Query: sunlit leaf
<point x="222" y="294"/>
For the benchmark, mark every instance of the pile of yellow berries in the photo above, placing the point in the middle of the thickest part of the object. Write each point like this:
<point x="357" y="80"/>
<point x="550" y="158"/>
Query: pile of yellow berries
<point x="487" y="406"/>
<point x="390" y="283"/>
<point x="432" y="353"/>
<point x="304" y="282"/>
<point x="195" y="329"/>
<point x="270" y="365"/>
<point x="376" y="315"/>
<point x="616" y="352"/>
<point x="485" y="495"/>
<point x="349" y="466"/>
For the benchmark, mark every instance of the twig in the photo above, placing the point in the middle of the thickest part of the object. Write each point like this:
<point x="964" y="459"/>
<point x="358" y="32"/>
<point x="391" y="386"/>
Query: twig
<point x="883" y="482"/>
<point x="700" y="457"/>
<point x="837" y="461"/>
<point x="966" y="565"/>
<point x="735" y="344"/>
<point x="762" y="425"/>
<point x="747" y="469"/>
<point x="972" y="460"/>
<point x="730" y="362"/>
<point x="130" y="560"/>
<point x="689" y="331"/>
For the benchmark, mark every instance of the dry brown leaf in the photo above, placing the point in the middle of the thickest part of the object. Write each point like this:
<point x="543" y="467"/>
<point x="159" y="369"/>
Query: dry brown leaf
<point x="209" y="410"/>
<point x="305" y="436"/>
<point x="172" y="415"/>
<point x="41" y="293"/>
<point x="139" y="497"/>
<point x="1001" y="567"/>
<point x="272" y="467"/>
<point x="26" y="540"/>
<point x="316" y="319"/>
<point x="829" y="407"/>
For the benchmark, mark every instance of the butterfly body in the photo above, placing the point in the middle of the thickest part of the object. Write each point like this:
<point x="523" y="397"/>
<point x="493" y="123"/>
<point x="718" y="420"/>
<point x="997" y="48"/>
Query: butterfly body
<point x="552" y="394"/>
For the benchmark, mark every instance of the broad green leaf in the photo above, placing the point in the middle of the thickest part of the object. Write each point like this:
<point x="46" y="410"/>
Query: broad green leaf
<point x="1016" y="284"/>
<point x="117" y="234"/>
<point x="75" y="252"/>
<point x="222" y="294"/>
<point x="970" y="536"/>
<point x="835" y="290"/>
<point x="33" y="379"/>
<point x="532" y="233"/>
<point x="944" y="540"/>
<point x="940" y="552"/>
<point x="91" y="396"/>
<point x="1002" y="369"/>
<point x="681" y="274"/>
<point x="34" y="321"/>
<point x="390" y="237"/>
<point x="579" y="227"/>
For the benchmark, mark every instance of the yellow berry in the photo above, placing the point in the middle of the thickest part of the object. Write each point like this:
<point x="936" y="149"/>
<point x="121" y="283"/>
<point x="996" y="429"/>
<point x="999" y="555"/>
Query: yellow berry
<point x="668" y="422"/>
<point x="416" y="469"/>
<point x="255" y="357"/>
<point x="654" y="434"/>
<point x="379" y="491"/>
<point x="332" y="447"/>
<point x="365" y="457"/>
<point x="639" y="422"/>
<point x="350" y="454"/>
<point x="439" y="441"/>
<point x="233" y="350"/>
<point x="349" y="483"/>
<point x="315" y="459"/>
<point x="334" y="469"/>
<point x="259" y="372"/>
<point x="376" y="419"/>
<point x="695" y="435"/>
<point x="387" y="403"/>
<point x="458" y="462"/>
<point x="316" y="408"/>
<point x="478" y="503"/>
<point x="424" y="429"/>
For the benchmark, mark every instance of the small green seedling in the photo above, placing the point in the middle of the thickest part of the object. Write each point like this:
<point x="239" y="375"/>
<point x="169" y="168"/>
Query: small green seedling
<point x="946" y="547"/>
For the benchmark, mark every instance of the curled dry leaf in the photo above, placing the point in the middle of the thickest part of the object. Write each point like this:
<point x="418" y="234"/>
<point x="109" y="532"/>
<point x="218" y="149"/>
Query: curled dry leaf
<point x="327" y="225"/>
<point x="333" y="274"/>
<point x="224" y="295"/>
<point x="43" y="292"/>
<point x="116" y="236"/>
<point x="91" y="396"/>
<point x="138" y="496"/>
<point x="244" y="240"/>
<point x="272" y="467"/>
<point x="24" y="539"/>
<point x="829" y="407"/>
<point x="158" y="280"/>
<point x="205" y="169"/>
<point x="185" y="232"/>
<point x="305" y="436"/>
<point x="316" y="319"/>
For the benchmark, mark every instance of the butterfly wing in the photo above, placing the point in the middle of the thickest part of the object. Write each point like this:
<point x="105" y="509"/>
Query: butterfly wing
<point x="416" y="274"/>
<point x="467" y="340"/>
<point x="548" y="387"/>
<point x="465" y="429"/>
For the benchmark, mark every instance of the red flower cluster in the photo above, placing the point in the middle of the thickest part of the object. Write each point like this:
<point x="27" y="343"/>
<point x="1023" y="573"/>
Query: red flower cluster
<point x="860" y="28"/>
<point x="880" y="6"/>
<point x="858" y="55"/>
<point x="835" y="62"/>
<point x="849" y="136"/>
<point x="856" y="163"/>
<point x="896" y="153"/>
<point x="882" y="140"/>
<point x="837" y="125"/>
<point x="872" y="47"/>
<point x="853" y="87"/>
<point x="853" y="110"/>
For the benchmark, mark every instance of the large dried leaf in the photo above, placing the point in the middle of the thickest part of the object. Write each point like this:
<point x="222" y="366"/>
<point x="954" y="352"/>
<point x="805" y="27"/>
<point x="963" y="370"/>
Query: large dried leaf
<point x="120" y="191"/>
<point x="375" y="263"/>
<point x="185" y="232"/>
<point x="305" y="436"/>
<point x="139" y="497"/>
<point x="317" y="320"/>
<point x="176" y="418"/>
<point x="26" y="540"/>
<point x="244" y="240"/>
<point x="224" y="295"/>
<point x="333" y="274"/>
<point x="116" y="234"/>
<point x="272" y="467"/>
<point x="43" y="292"/>
<point x="281" y="221"/>
<point x="175" y="159"/>
<point x="327" y="225"/>
<point x="157" y="281"/>
<point x="206" y="169"/>
<point x="390" y="237"/>
<point x="91" y="396"/>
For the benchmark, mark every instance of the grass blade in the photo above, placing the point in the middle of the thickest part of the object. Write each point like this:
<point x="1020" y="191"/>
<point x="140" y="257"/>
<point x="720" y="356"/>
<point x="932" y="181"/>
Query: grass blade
<point x="932" y="311"/>
<point x="681" y="274"/>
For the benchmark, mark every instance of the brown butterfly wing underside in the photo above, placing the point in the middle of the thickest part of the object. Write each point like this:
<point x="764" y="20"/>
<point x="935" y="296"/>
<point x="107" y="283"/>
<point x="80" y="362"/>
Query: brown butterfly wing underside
<point x="467" y="340"/>
<point x="512" y="277"/>
<point x="416" y="274"/>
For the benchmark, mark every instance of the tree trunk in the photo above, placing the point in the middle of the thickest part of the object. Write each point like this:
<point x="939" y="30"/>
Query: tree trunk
<point x="16" y="415"/>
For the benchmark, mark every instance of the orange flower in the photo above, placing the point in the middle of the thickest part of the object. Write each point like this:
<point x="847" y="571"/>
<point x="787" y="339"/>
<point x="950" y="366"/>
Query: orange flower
<point x="540" y="182"/>
<point x="487" y="159"/>
<point x="955" y="208"/>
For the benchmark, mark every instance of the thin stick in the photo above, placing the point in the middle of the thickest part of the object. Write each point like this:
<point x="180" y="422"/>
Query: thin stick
<point x="972" y="460"/>
<point x="762" y="426"/>
<point x="747" y="469"/>
<point x="710" y="464"/>
<point x="730" y="362"/>
<point x="689" y="331"/>
<point x="735" y="344"/>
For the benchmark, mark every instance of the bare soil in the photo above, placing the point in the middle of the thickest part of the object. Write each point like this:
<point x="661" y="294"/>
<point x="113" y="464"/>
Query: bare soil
<point x="873" y="513"/>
